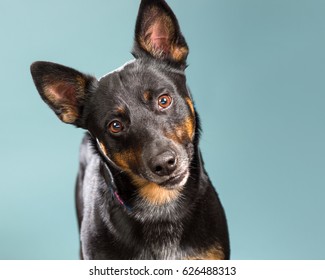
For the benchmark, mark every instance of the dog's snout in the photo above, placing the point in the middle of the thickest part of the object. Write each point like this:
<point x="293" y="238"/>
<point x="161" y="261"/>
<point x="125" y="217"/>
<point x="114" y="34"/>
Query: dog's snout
<point x="164" y="163"/>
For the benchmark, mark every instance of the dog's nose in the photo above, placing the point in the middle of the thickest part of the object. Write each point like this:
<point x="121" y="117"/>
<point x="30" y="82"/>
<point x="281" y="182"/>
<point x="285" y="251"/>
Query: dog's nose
<point x="164" y="163"/>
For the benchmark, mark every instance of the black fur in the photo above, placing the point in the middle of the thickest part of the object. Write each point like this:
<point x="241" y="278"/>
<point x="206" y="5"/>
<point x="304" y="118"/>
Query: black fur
<point x="142" y="191"/>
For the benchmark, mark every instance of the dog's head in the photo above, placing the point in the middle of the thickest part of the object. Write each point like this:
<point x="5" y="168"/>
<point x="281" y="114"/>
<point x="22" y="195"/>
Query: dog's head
<point x="142" y="114"/>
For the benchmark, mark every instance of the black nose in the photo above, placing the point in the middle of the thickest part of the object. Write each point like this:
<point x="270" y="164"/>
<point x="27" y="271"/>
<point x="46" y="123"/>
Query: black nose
<point x="164" y="163"/>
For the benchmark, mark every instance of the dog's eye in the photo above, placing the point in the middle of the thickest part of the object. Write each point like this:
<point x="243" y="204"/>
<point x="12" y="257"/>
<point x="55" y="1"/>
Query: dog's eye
<point x="115" y="126"/>
<point x="164" y="101"/>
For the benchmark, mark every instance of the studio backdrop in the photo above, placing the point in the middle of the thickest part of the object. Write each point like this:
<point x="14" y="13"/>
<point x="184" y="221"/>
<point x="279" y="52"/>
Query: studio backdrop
<point x="256" y="72"/>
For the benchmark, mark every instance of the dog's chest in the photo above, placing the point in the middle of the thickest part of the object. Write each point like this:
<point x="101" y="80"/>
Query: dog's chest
<point x="161" y="241"/>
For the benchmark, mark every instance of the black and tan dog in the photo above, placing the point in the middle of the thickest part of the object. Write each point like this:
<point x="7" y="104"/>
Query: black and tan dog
<point x="142" y="191"/>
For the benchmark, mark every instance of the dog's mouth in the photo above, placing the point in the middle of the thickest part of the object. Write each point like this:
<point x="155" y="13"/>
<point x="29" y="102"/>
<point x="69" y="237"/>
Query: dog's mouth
<point x="173" y="181"/>
<point x="176" y="180"/>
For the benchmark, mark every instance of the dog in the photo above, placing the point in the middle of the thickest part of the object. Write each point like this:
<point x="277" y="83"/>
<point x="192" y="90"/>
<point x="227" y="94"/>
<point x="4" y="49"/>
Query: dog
<point x="142" y="191"/>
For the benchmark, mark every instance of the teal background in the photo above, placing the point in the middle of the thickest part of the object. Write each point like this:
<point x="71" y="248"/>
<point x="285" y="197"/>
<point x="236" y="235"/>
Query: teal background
<point x="257" y="74"/>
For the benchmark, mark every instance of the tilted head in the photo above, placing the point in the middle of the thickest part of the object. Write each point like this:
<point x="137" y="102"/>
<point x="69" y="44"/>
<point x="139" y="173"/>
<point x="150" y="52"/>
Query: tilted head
<point x="142" y="114"/>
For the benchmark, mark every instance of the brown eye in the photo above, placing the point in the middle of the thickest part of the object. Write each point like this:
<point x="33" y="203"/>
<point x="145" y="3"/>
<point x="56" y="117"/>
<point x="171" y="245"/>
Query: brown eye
<point x="164" y="101"/>
<point x="115" y="126"/>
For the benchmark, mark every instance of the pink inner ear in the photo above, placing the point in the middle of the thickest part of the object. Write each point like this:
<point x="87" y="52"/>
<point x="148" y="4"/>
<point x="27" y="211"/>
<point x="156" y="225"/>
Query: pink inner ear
<point x="160" y="37"/>
<point x="63" y="93"/>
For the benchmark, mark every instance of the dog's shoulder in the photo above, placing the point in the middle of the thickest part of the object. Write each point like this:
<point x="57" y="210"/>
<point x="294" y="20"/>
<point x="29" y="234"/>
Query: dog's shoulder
<point x="87" y="151"/>
<point x="89" y="168"/>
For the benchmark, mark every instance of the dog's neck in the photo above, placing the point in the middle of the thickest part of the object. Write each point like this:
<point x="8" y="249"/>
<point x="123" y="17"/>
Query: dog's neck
<point x="110" y="183"/>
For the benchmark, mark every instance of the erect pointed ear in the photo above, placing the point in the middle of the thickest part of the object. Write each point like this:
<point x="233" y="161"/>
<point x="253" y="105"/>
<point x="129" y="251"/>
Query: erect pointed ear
<point x="63" y="89"/>
<point x="157" y="33"/>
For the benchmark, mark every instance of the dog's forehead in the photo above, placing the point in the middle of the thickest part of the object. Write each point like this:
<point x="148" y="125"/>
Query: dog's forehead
<point x="138" y="76"/>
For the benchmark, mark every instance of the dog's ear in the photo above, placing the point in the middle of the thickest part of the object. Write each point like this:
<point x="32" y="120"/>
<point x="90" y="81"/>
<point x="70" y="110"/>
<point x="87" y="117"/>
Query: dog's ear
<point x="157" y="33"/>
<point x="63" y="89"/>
